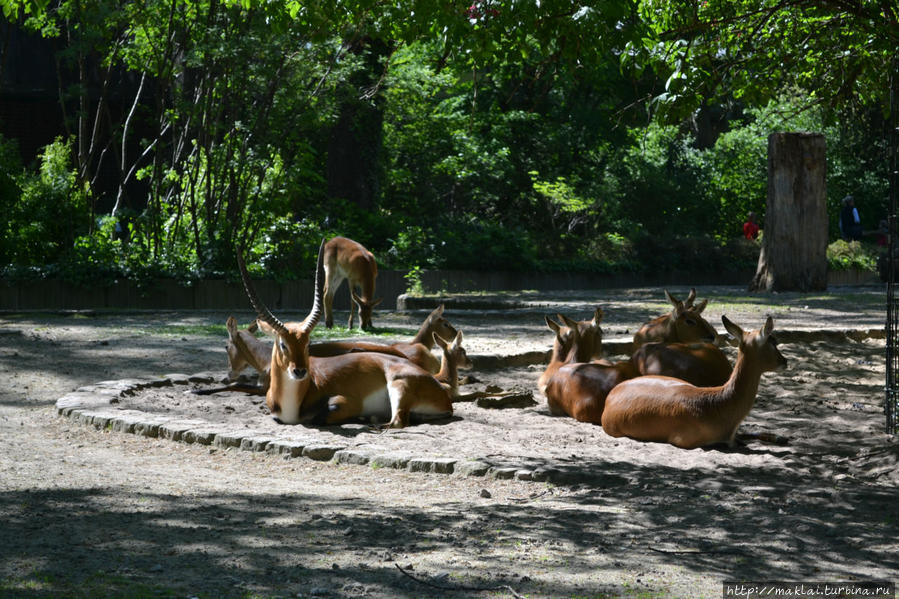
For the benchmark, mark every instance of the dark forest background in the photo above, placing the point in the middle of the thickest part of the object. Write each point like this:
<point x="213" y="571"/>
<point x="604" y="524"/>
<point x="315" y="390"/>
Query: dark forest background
<point x="155" y="138"/>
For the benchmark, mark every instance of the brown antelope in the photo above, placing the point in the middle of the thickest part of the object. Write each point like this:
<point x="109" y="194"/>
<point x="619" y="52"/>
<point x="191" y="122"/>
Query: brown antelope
<point x="574" y="388"/>
<point x="348" y="259"/>
<point x="340" y="388"/>
<point x="244" y="349"/>
<point x="586" y="343"/>
<point x="669" y="410"/>
<point x="684" y="324"/>
<point x="702" y="364"/>
<point x="454" y="359"/>
<point x="418" y="350"/>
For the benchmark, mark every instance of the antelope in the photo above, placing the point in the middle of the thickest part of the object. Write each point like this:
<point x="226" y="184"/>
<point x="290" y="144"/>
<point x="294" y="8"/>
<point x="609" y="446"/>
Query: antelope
<point x="578" y="389"/>
<point x="669" y="410"/>
<point x="684" y="324"/>
<point x="576" y="341"/>
<point x="454" y="359"/>
<point x="701" y="364"/>
<point x="418" y="350"/>
<point x="244" y="349"/>
<point x="348" y="259"/>
<point x="337" y="389"/>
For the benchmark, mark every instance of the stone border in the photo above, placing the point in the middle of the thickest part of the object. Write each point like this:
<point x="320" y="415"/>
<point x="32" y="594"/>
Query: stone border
<point x="94" y="405"/>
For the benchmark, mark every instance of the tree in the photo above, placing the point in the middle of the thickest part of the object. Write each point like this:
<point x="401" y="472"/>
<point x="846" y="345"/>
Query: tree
<point x="836" y="50"/>
<point x="794" y="251"/>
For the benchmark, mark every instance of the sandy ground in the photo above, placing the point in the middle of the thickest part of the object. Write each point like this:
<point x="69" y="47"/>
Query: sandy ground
<point x="91" y="512"/>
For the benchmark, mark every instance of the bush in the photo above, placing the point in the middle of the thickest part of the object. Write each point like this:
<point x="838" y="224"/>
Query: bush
<point x="845" y="255"/>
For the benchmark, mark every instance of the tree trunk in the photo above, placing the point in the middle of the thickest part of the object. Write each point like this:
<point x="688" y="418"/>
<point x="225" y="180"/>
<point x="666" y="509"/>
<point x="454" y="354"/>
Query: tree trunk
<point x="794" y="243"/>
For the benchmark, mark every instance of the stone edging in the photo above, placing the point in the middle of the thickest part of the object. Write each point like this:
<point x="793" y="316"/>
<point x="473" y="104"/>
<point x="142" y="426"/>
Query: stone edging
<point x="94" y="405"/>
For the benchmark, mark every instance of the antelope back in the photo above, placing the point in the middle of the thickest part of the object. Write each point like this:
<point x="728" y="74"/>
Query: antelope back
<point x="701" y="364"/>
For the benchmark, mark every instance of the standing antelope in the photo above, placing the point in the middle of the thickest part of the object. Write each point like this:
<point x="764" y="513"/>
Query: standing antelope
<point x="348" y="259"/>
<point x="578" y="389"/>
<point x="665" y="409"/>
<point x="418" y="350"/>
<point x="684" y="324"/>
<point x="344" y="387"/>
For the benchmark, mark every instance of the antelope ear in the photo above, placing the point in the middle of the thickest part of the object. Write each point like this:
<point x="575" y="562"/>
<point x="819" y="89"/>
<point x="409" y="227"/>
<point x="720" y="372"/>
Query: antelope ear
<point x="438" y="311"/>
<point x="731" y="328"/>
<point x="377" y="301"/>
<point x="690" y="298"/>
<point x="356" y="298"/>
<point x="701" y="306"/>
<point x="769" y="326"/>
<point x="571" y="324"/>
<point x="253" y="327"/>
<point x="678" y="305"/>
<point x="552" y="324"/>
<point x="597" y="316"/>
<point x="267" y="328"/>
<point x="440" y="341"/>
<point x="231" y="325"/>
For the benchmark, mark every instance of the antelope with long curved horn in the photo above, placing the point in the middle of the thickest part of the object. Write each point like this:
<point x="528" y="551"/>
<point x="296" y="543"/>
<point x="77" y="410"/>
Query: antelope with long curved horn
<point x="340" y="388"/>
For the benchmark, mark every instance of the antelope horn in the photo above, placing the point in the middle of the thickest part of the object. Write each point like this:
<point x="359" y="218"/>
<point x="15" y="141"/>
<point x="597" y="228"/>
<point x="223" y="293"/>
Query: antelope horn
<point x="316" y="312"/>
<point x="261" y="309"/>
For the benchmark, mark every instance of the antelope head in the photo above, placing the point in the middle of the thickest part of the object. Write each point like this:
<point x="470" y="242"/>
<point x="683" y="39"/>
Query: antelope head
<point x="686" y="324"/>
<point x="565" y="345"/>
<point x="290" y="373"/>
<point x="589" y="333"/>
<point x="365" y="310"/>
<point x="438" y="325"/>
<point x="759" y="346"/>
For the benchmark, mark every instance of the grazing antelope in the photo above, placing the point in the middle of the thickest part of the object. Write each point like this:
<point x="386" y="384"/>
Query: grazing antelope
<point x="701" y="364"/>
<point x="578" y="389"/>
<point x="669" y="410"/>
<point x="348" y="259"/>
<point x="418" y="350"/>
<point x="684" y="324"/>
<point x="340" y="388"/>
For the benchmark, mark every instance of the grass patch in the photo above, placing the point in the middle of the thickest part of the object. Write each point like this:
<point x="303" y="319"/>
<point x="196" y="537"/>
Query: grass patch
<point x="98" y="584"/>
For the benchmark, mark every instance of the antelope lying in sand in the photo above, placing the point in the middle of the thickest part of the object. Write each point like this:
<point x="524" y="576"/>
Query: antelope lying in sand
<point x="684" y="324"/>
<point x="418" y="350"/>
<point x="348" y="259"/>
<point x="345" y="387"/>
<point x="578" y="389"/>
<point x="665" y="409"/>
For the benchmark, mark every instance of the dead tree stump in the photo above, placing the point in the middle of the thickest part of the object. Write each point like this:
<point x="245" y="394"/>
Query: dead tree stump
<point x="794" y="241"/>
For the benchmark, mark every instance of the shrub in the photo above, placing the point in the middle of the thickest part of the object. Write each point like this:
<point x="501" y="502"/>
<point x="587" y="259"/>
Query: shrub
<point x="845" y="255"/>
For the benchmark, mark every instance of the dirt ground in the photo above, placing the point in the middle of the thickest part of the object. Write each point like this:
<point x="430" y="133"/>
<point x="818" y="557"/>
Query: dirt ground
<point x="90" y="512"/>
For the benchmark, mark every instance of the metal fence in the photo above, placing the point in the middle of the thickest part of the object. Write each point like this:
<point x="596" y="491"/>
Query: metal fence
<point x="891" y="400"/>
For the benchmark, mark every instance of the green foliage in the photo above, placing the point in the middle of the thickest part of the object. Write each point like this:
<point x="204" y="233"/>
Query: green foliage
<point x="51" y="212"/>
<point x="845" y="255"/>
<point x="510" y="135"/>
